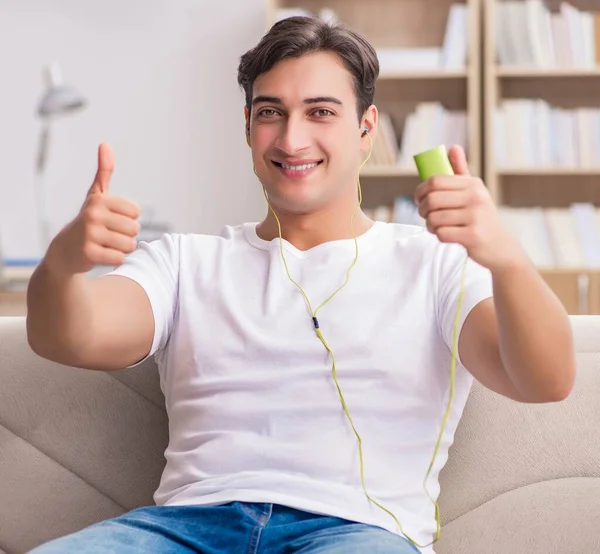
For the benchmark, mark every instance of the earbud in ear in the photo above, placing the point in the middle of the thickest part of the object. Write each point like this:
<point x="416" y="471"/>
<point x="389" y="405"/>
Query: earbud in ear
<point x="365" y="132"/>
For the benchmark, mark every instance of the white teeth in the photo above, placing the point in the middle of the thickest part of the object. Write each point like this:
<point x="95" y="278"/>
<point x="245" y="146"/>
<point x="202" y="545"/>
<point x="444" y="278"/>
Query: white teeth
<point x="299" y="167"/>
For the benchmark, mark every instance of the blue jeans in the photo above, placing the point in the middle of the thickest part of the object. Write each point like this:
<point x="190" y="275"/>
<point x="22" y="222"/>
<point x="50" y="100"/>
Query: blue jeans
<point x="244" y="528"/>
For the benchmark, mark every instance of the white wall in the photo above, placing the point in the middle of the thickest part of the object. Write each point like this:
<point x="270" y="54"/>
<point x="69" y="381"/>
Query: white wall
<point x="160" y="77"/>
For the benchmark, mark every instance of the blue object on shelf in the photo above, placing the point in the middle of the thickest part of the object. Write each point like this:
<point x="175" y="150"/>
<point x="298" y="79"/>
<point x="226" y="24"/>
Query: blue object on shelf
<point x="20" y="262"/>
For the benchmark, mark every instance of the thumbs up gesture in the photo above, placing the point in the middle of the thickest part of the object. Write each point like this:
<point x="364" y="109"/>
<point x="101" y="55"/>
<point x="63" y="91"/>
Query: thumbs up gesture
<point x="103" y="232"/>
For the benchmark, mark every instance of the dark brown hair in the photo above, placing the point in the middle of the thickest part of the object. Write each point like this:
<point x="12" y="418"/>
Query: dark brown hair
<point x="294" y="37"/>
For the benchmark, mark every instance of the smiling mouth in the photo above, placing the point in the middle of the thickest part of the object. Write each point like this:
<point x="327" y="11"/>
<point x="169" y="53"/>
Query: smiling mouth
<point x="297" y="167"/>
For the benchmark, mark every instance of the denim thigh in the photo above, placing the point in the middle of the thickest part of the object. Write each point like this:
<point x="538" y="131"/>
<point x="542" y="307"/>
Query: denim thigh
<point x="237" y="527"/>
<point x="164" y="529"/>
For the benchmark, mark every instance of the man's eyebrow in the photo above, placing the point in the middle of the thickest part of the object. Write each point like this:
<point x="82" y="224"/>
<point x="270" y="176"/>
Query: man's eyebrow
<point x="323" y="99"/>
<point x="276" y="100"/>
<point x="267" y="100"/>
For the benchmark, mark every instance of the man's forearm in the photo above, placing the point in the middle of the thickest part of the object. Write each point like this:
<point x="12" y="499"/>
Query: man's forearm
<point x="534" y="332"/>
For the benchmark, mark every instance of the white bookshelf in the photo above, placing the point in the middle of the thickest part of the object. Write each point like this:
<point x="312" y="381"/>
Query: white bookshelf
<point x="546" y="186"/>
<point x="568" y="87"/>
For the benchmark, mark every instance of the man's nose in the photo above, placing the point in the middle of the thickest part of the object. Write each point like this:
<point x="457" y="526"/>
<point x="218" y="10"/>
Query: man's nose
<point x="294" y="137"/>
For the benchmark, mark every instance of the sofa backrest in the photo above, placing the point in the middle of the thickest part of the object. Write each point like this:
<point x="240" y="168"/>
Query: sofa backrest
<point x="79" y="446"/>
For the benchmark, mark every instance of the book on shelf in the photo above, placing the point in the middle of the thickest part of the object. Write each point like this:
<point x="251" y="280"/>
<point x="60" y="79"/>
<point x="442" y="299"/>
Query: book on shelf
<point x="557" y="238"/>
<point x="531" y="133"/>
<point x="450" y="55"/>
<point x="429" y="124"/>
<point x="529" y="33"/>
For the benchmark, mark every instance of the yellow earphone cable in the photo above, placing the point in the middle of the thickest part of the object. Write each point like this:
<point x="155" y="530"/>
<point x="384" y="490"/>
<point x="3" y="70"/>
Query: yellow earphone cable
<point x="313" y="314"/>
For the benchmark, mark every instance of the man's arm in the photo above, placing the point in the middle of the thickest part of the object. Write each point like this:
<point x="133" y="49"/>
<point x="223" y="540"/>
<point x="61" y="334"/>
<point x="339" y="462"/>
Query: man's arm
<point x="519" y="344"/>
<point x="105" y="323"/>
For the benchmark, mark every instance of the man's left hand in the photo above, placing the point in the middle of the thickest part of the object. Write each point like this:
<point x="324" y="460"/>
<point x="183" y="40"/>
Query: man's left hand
<point x="459" y="209"/>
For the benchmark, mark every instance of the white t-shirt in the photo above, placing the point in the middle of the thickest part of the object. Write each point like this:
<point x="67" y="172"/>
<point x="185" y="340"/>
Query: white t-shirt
<point x="254" y="414"/>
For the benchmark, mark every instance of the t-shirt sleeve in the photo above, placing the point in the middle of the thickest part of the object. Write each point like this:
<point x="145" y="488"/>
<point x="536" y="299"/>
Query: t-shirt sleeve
<point x="155" y="266"/>
<point x="478" y="287"/>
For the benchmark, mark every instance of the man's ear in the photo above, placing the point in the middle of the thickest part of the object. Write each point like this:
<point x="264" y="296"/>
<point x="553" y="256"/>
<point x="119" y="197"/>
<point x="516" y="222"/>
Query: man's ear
<point x="247" y="124"/>
<point x="369" y="121"/>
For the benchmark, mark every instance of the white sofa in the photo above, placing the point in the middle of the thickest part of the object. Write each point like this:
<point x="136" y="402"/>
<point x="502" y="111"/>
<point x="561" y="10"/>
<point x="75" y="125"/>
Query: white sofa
<point x="79" y="446"/>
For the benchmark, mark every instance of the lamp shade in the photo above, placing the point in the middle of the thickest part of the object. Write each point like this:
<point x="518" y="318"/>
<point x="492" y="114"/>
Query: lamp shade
<point x="60" y="100"/>
<point x="58" y="97"/>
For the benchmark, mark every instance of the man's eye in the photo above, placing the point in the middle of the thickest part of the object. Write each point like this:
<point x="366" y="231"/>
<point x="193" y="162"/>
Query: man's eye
<point x="267" y="112"/>
<point x="323" y="112"/>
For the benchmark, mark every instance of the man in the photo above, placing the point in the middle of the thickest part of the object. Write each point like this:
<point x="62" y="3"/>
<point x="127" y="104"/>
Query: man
<point x="277" y="354"/>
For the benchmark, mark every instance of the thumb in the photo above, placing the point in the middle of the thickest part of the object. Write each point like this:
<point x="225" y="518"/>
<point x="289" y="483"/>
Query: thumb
<point x="106" y="167"/>
<point x="458" y="160"/>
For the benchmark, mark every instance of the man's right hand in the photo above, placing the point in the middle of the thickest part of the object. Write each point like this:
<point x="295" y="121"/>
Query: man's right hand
<point x="103" y="232"/>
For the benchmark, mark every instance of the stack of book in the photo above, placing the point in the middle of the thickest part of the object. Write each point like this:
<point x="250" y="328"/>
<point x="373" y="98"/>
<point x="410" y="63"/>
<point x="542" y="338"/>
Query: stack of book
<point x="450" y="55"/>
<point x="430" y="124"/>
<point x="531" y="133"/>
<point x="557" y="238"/>
<point x="528" y="33"/>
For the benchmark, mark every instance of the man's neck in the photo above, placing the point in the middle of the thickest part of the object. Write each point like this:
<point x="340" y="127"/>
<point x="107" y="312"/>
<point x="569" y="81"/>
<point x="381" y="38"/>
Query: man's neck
<point x="307" y="231"/>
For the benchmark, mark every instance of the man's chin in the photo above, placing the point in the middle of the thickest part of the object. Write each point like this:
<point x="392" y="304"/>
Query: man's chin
<point x="294" y="204"/>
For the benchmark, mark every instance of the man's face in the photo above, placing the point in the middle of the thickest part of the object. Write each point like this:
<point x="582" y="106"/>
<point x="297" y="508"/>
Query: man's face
<point x="305" y="133"/>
